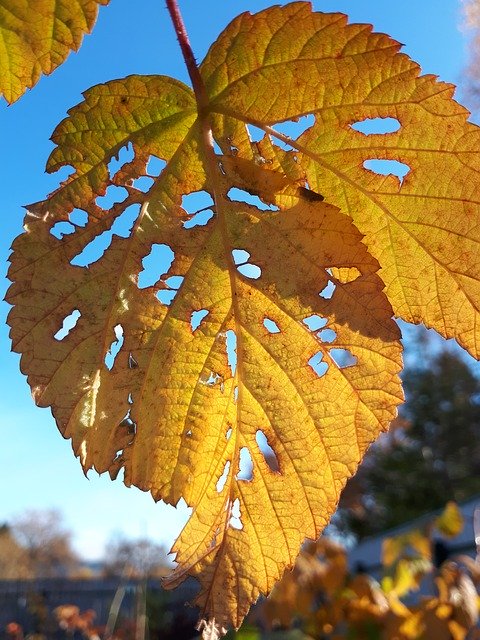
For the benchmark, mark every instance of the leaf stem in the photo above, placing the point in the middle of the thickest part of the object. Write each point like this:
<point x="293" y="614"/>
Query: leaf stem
<point x="187" y="52"/>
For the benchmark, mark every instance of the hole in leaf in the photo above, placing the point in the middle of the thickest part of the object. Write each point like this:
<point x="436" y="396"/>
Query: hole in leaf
<point x="114" y="347"/>
<point x="166" y="296"/>
<point x="271" y="326"/>
<point x="69" y="322"/>
<point x="155" y="166"/>
<point x="282" y="144"/>
<point x="239" y="195"/>
<point x="61" y="229"/>
<point x="231" y="348"/>
<point x="95" y="249"/>
<point x="255" y="133"/>
<point x="343" y="358"/>
<point x="156" y="264"/>
<point x="144" y="183"/>
<point x="129" y="424"/>
<point x="193" y="202"/>
<point x="212" y="379"/>
<point x="235" y="394"/>
<point x="314" y="322"/>
<point x="223" y="478"/>
<point x="240" y="256"/>
<point x="245" y="465"/>
<point x="201" y="218"/>
<point x="236" y="516"/>
<point x="124" y="155"/>
<point x="318" y="364"/>
<point x="328" y="291"/>
<point x="217" y="149"/>
<point x="327" y="335"/>
<point x="112" y="196"/>
<point x="123" y="224"/>
<point x="267" y="451"/>
<point x="64" y="172"/>
<point x="132" y="363"/>
<point x="295" y="128"/>
<point x="251" y="271"/>
<point x="78" y="217"/>
<point x="174" y="282"/>
<point x="371" y="126"/>
<point x="228" y="434"/>
<point x="387" y="168"/>
<point x="197" y="317"/>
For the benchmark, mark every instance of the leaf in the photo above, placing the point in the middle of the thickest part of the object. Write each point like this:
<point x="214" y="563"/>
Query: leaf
<point x="172" y="411"/>
<point x="407" y="577"/>
<point x="394" y="548"/>
<point x="37" y="37"/>
<point x="450" y="521"/>
<point x="423" y="229"/>
<point x="249" y="374"/>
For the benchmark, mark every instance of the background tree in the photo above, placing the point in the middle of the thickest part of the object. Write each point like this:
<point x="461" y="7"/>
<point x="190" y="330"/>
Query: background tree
<point x="14" y="562"/>
<point x="431" y="455"/>
<point x="46" y="542"/>
<point x="141" y="558"/>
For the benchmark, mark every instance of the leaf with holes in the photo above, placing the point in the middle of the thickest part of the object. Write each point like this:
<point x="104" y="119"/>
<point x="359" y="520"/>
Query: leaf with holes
<point x="37" y="36"/>
<point x="387" y="146"/>
<point x="213" y="323"/>
<point x="230" y="362"/>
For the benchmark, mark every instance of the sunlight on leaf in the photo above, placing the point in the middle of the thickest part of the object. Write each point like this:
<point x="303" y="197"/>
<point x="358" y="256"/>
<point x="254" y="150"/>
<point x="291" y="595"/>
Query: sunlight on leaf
<point x="274" y="313"/>
<point x="422" y="227"/>
<point x="37" y="37"/>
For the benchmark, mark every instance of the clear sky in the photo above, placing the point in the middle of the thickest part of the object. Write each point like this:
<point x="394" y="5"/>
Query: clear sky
<point x="37" y="467"/>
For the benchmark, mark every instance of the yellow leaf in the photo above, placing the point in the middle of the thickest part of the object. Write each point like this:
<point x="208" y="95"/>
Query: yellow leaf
<point x="182" y="413"/>
<point x="412" y="627"/>
<point x="37" y="37"/>
<point x="443" y="611"/>
<point x="421" y="543"/>
<point x="405" y="578"/>
<point x="397" y="607"/>
<point x="450" y="522"/>
<point x="391" y="549"/>
<point x="458" y="631"/>
<point x="387" y="584"/>
<point x="423" y="228"/>
<point x="394" y="548"/>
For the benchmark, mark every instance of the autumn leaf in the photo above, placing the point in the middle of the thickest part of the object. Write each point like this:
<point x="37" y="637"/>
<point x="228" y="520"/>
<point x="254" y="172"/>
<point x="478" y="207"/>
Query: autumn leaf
<point x="37" y="36"/>
<point x="450" y="521"/>
<point x="423" y="229"/>
<point x="315" y="377"/>
<point x="249" y="369"/>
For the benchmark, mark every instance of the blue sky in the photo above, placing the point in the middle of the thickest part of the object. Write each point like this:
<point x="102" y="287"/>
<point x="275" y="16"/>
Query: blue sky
<point x="37" y="468"/>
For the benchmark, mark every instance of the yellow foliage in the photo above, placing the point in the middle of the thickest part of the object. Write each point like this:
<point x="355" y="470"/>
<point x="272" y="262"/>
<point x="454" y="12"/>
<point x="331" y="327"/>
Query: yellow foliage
<point x="174" y="408"/>
<point x="450" y="522"/>
<point x="358" y="605"/>
<point x="394" y="548"/>
<point x="37" y="36"/>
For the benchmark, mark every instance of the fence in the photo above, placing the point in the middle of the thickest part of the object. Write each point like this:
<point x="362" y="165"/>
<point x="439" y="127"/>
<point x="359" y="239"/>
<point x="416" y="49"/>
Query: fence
<point x="31" y="602"/>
